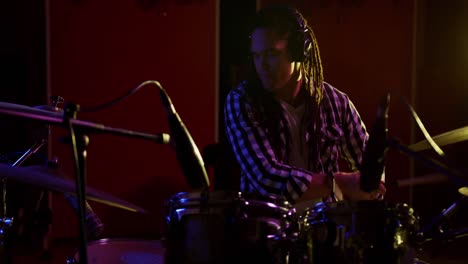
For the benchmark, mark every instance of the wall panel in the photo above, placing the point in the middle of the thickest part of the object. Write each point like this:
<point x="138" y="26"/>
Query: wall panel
<point x="100" y="50"/>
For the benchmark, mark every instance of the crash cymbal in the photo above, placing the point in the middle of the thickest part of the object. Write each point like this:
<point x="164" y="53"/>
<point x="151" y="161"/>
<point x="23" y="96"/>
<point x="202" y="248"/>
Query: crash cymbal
<point x="463" y="191"/>
<point x="454" y="136"/>
<point x="53" y="179"/>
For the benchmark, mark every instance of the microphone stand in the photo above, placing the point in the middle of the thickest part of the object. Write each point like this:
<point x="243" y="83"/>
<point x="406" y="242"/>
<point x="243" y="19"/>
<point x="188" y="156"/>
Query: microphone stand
<point x="79" y="141"/>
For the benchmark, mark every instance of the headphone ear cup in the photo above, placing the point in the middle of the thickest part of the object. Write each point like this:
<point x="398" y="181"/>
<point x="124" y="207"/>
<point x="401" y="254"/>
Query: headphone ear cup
<point x="300" y="46"/>
<point x="307" y="47"/>
<point x="295" y="48"/>
<point x="301" y="41"/>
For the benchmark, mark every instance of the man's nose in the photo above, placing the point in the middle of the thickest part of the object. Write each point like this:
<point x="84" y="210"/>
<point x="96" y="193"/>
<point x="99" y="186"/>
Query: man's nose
<point x="263" y="62"/>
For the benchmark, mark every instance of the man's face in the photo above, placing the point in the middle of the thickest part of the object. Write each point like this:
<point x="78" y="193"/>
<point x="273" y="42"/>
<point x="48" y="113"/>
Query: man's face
<point x="271" y="59"/>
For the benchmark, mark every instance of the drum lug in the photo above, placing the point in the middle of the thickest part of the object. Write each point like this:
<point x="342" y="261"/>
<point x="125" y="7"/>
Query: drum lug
<point x="71" y="260"/>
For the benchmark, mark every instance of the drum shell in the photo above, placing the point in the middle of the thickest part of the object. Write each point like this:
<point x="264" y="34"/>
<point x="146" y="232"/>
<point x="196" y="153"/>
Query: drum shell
<point x="358" y="232"/>
<point x="228" y="227"/>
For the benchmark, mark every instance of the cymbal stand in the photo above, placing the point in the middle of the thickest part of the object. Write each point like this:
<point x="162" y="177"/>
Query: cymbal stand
<point x="7" y="222"/>
<point x="79" y="143"/>
<point x="457" y="234"/>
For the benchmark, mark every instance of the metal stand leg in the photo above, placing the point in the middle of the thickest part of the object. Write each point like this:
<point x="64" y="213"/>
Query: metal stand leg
<point x="5" y="254"/>
<point x="79" y="143"/>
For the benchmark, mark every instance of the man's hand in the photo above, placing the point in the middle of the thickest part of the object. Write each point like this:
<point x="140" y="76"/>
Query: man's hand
<point x="349" y="183"/>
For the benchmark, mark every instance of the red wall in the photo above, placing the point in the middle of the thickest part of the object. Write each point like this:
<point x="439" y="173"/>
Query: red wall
<point x="99" y="50"/>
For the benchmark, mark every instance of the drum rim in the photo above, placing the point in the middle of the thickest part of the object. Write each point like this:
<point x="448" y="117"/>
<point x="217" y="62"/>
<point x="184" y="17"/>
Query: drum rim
<point x="104" y="241"/>
<point x="229" y="194"/>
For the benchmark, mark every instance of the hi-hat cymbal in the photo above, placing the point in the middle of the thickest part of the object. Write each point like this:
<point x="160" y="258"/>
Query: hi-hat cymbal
<point x="450" y="137"/>
<point x="49" y="179"/>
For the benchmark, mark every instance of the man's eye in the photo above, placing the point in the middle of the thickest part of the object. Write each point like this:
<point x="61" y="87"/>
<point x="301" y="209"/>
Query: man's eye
<point x="272" y="53"/>
<point x="265" y="54"/>
<point x="254" y="55"/>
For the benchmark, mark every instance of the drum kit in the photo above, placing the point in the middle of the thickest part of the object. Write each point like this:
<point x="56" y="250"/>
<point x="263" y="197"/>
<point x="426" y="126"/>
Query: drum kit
<point x="217" y="226"/>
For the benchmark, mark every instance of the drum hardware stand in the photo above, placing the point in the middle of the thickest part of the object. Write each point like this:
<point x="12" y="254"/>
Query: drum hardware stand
<point x="55" y="100"/>
<point x="79" y="143"/>
<point x="7" y="222"/>
<point x="5" y="225"/>
<point x="443" y="238"/>
<point x="456" y="234"/>
<point x="436" y="223"/>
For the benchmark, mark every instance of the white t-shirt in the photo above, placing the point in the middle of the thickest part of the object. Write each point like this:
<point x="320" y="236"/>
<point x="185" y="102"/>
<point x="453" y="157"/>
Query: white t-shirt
<point x="298" y="154"/>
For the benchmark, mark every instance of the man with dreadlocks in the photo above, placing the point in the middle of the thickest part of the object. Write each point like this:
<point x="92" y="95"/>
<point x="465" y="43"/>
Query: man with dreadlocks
<point x="286" y="125"/>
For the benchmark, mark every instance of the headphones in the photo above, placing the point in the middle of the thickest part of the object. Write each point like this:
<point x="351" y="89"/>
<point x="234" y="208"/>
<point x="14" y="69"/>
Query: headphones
<point x="300" y="40"/>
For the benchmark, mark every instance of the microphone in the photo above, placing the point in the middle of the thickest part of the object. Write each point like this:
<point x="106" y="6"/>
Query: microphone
<point x="187" y="151"/>
<point x="373" y="161"/>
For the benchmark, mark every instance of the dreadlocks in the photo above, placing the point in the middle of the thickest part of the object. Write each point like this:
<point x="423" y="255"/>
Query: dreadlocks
<point x="313" y="70"/>
<point x="312" y="67"/>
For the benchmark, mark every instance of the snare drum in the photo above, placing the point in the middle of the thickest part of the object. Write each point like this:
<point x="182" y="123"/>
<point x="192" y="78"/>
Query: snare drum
<point x="357" y="232"/>
<point x="228" y="227"/>
<point x="125" y="251"/>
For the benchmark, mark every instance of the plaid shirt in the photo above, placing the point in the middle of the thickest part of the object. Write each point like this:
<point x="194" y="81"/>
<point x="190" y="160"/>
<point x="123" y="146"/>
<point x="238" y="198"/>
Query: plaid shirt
<point x="265" y="173"/>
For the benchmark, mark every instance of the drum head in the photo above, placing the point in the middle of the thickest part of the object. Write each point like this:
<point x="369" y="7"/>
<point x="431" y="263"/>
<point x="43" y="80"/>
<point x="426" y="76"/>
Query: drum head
<point x="128" y="251"/>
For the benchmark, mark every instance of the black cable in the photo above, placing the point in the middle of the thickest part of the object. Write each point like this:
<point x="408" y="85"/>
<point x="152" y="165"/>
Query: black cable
<point x="118" y="99"/>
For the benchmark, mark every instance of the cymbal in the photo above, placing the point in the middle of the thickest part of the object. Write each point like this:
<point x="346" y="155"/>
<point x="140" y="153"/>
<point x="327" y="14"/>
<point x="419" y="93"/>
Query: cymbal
<point x="53" y="179"/>
<point x="463" y="191"/>
<point x="443" y="139"/>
